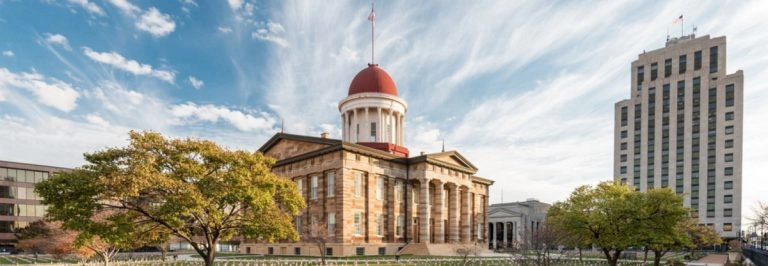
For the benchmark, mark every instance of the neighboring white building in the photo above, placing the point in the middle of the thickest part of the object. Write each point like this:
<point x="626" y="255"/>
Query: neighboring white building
<point x="682" y="129"/>
<point x="512" y="222"/>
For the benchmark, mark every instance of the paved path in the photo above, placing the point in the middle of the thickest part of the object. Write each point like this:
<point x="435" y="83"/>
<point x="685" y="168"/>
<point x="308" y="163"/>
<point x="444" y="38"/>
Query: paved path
<point x="711" y="260"/>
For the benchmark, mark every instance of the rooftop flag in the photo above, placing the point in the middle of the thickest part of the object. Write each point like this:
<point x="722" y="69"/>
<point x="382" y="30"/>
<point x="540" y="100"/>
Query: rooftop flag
<point x="678" y="19"/>
<point x="372" y="16"/>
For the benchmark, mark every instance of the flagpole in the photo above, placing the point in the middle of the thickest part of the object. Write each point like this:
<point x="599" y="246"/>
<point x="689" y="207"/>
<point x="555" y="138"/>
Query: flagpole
<point x="682" y="26"/>
<point x="373" y="30"/>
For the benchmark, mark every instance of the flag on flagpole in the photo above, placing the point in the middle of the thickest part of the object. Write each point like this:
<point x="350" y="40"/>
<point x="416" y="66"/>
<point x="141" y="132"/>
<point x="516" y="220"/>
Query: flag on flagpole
<point x="372" y="16"/>
<point x="678" y="19"/>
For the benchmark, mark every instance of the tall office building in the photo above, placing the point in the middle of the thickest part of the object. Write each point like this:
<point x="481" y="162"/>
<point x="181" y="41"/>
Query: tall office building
<point x="682" y="129"/>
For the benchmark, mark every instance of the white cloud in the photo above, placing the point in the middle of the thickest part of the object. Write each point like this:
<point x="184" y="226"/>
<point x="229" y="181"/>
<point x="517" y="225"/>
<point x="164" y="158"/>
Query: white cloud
<point x="89" y="6"/>
<point x="49" y="92"/>
<point x="196" y="82"/>
<point x="271" y="33"/>
<point x="190" y="2"/>
<point x="57" y="39"/>
<point x="156" y="23"/>
<point x="225" y="29"/>
<point x="96" y="120"/>
<point x="212" y="113"/>
<point x="126" y="7"/>
<point x="132" y="66"/>
<point x="235" y="4"/>
<point x="8" y="53"/>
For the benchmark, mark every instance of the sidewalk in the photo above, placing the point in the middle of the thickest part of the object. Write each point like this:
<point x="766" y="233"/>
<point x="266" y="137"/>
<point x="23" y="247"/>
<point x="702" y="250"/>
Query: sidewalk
<point x="710" y="260"/>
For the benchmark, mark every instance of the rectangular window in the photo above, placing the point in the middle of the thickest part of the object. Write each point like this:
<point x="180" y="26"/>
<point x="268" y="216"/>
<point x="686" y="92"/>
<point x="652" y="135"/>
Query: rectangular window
<point x="728" y="143"/>
<point x="667" y="68"/>
<point x="640" y="75"/>
<point x="654" y="71"/>
<point x="373" y="130"/>
<point x="728" y="212"/>
<point x="400" y="225"/>
<point x="623" y="134"/>
<point x="697" y="60"/>
<point x="300" y="186"/>
<point x="729" y="171"/>
<point x="297" y="251"/>
<point x="729" y="95"/>
<point x="728" y="199"/>
<point x="330" y="181"/>
<point x="623" y="146"/>
<point x="270" y="251"/>
<point x="382" y="251"/>
<point x="624" y="116"/>
<point x="728" y="185"/>
<point x="728" y="116"/>
<point x="329" y="251"/>
<point x="380" y="188"/>
<point x="331" y="223"/>
<point x="360" y="251"/>
<point x="623" y="170"/>
<point x="297" y="222"/>
<point x="713" y="59"/>
<point x="399" y="191"/>
<point x="313" y="188"/>
<point x="357" y="223"/>
<point x="380" y="225"/>
<point x="727" y="227"/>
<point x="682" y="65"/>
<point x="729" y="157"/>
<point x="358" y="184"/>
<point x="729" y="130"/>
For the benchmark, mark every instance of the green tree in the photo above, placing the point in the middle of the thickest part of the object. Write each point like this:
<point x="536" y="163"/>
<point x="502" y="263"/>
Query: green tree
<point x="602" y="216"/>
<point x="194" y="189"/>
<point x="700" y="235"/>
<point x="660" y="214"/>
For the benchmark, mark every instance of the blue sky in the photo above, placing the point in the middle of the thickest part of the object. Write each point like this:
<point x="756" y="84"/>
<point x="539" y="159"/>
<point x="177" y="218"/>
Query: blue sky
<point x="524" y="89"/>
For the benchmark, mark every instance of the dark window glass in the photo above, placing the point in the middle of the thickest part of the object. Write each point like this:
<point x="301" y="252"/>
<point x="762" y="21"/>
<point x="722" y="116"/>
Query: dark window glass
<point x="654" y="71"/>
<point x="297" y="251"/>
<point x="728" y="185"/>
<point x="623" y="146"/>
<point x="728" y="116"/>
<point x="729" y="95"/>
<point x="729" y="157"/>
<point x="623" y="134"/>
<point x="729" y="130"/>
<point x="697" y="60"/>
<point x="683" y="64"/>
<point x="728" y="199"/>
<point x="270" y="251"/>
<point x="623" y="169"/>
<point x="667" y="68"/>
<point x="329" y="251"/>
<point x="729" y="171"/>
<point x="727" y="213"/>
<point x="382" y="251"/>
<point x="360" y="251"/>
<point x="713" y="59"/>
<point x="640" y="75"/>
<point x="624" y="116"/>
<point x="728" y="143"/>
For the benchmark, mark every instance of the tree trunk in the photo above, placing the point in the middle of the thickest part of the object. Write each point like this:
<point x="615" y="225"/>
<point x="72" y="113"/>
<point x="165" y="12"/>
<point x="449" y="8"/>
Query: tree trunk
<point x="580" y="255"/>
<point x="211" y="256"/>
<point x="163" y="252"/>
<point x="657" y="257"/>
<point x="645" y="255"/>
<point x="104" y="258"/>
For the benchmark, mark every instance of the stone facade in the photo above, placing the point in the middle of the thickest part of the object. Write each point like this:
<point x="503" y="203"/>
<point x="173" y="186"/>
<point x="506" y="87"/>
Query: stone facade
<point x="682" y="129"/>
<point x="375" y="202"/>
<point x="512" y="223"/>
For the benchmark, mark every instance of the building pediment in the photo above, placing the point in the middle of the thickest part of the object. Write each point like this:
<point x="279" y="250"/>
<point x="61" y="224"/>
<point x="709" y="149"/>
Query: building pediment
<point x="282" y="146"/>
<point x="451" y="159"/>
<point x="500" y="213"/>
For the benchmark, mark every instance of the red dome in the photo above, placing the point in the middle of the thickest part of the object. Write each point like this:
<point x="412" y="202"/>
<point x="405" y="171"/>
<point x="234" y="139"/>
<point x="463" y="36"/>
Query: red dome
<point x="372" y="79"/>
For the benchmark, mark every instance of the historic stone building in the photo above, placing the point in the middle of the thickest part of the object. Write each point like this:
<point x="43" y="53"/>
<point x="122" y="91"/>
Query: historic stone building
<point x="513" y="223"/>
<point x="371" y="195"/>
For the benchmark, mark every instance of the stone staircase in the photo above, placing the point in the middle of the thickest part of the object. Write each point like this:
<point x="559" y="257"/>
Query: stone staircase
<point x="415" y="249"/>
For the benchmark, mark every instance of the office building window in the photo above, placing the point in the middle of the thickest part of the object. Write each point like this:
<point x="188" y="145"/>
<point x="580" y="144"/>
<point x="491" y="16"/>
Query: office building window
<point x="682" y="65"/>
<point x="728" y="212"/>
<point x="729" y="157"/>
<point x="728" y="199"/>
<point x="358" y="184"/>
<point x="330" y="181"/>
<point x="727" y="227"/>
<point x="624" y="116"/>
<point x="623" y="146"/>
<point x="697" y="60"/>
<point x="729" y="95"/>
<point x="728" y="185"/>
<point x="728" y="143"/>
<point x="623" y="158"/>
<point x="640" y="75"/>
<point x="729" y="130"/>
<point x="713" y="59"/>
<point x="654" y="71"/>
<point x="667" y="68"/>
<point x="728" y="171"/>
<point x="623" y="134"/>
<point x="728" y="116"/>
<point x="313" y="187"/>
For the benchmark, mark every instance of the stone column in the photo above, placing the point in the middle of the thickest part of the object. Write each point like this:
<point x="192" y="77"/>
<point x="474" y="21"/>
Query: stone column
<point x="367" y="125"/>
<point x="355" y="126"/>
<point x="391" y="218"/>
<point x="454" y="209"/>
<point x="438" y="210"/>
<point x="466" y="218"/>
<point x="402" y="129"/>
<point x="424" y="212"/>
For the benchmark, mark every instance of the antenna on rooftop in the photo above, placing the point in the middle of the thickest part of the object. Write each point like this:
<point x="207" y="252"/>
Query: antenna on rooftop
<point x="443" y="145"/>
<point x="282" y="125"/>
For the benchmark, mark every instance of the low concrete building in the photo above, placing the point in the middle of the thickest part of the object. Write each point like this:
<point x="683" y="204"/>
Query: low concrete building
<point x="511" y="223"/>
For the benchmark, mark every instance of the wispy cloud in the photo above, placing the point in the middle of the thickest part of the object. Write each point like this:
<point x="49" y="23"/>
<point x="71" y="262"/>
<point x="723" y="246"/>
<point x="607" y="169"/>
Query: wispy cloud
<point x="50" y="92"/>
<point x="225" y="29"/>
<point x="57" y="39"/>
<point x="196" y="82"/>
<point x="211" y="113"/>
<point x="126" y="7"/>
<point x="235" y="4"/>
<point x="8" y="53"/>
<point x="132" y="66"/>
<point x="271" y="32"/>
<point x="156" y="23"/>
<point x="89" y="6"/>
